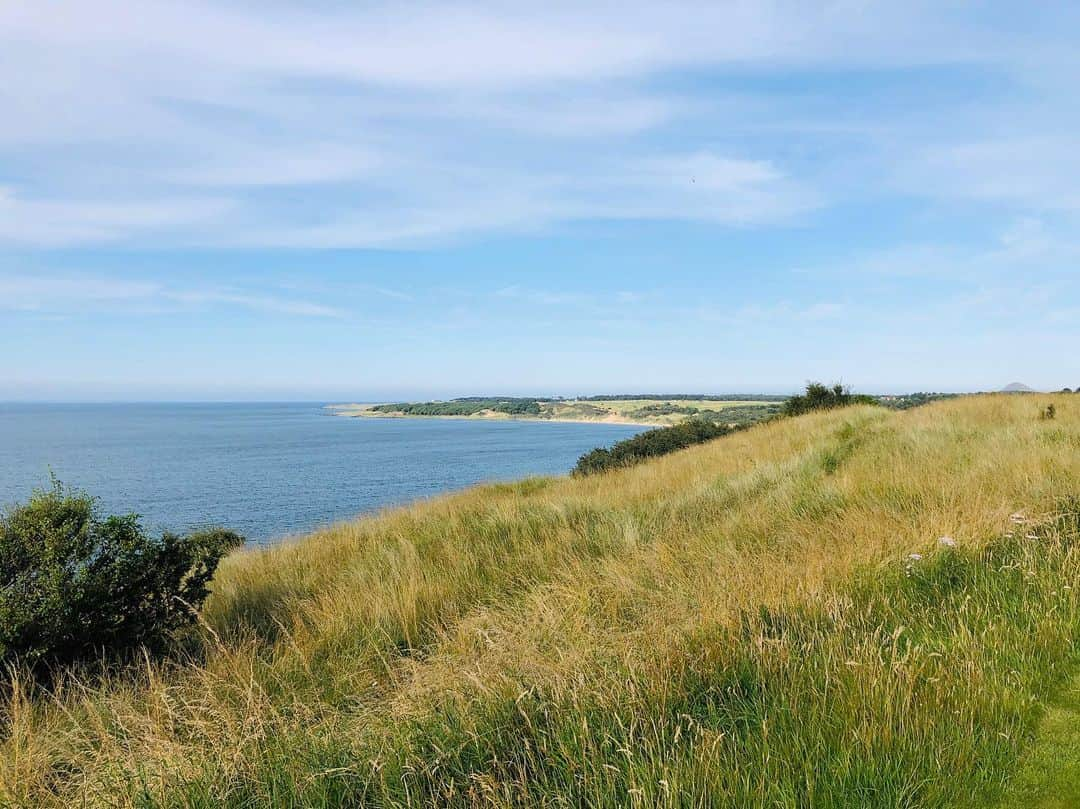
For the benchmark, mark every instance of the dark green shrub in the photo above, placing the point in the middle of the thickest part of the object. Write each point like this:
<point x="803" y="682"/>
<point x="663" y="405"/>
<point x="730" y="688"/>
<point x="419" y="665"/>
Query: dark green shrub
<point x="518" y="407"/>
<point x="468" y="406"/>
<point x="649" y="444"/>
<point x="709" y="424"/>
<point x="76" y="587"/>
<point x="663" y="409"/>
<point x="823" y="397"/>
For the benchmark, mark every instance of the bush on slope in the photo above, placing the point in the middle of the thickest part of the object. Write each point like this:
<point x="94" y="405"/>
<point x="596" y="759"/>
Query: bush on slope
<point x="709" y="425"/>
<point x="649" y="444"/>
<point x="78" y="587"/>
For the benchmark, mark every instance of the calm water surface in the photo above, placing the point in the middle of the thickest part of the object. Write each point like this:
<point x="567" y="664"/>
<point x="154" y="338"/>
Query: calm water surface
<point x="268" y="470"/>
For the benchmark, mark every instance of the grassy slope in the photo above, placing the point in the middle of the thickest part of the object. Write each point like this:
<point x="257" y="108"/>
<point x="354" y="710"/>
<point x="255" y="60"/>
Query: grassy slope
<point x="737" y="624"/>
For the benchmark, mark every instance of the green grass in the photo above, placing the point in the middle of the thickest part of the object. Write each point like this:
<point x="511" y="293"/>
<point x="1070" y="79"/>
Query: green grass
<point x="738" y="624"/>
<point x="1048" y="776"/>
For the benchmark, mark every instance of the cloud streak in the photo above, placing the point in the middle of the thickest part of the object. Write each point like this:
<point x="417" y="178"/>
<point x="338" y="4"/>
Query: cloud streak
<point x="59" y="222"/>
<point x="409" y="125"/>
<point x="66" y="295"/>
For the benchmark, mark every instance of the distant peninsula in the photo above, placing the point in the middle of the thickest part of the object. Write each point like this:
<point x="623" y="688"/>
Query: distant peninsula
<point x="647" y="410"/>
<point x="642" y="409"/>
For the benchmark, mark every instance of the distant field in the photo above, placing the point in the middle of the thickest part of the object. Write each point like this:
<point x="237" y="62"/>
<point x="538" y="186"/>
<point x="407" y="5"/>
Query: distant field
<point x="652" y="411"/>
<point x="637" y="411"/>
<point x="625" y="405"/>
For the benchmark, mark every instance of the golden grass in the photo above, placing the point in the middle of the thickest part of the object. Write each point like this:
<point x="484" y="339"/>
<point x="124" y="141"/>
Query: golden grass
<point x="688" y="632"/>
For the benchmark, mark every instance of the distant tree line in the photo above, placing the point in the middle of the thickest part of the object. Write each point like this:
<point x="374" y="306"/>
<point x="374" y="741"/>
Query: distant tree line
<point x="531" y="406"/>
<point x="664" y="409"/>
<point x="464" y="407"/>
<point x="503" y="399"/>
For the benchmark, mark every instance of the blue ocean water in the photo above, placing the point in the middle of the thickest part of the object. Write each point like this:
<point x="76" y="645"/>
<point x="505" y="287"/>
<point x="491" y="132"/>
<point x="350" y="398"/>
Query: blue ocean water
<point x="268" y="470"/>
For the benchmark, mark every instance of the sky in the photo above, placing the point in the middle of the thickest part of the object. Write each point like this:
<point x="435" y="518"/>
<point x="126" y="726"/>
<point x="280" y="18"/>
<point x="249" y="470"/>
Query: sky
<point x="229" y="200"/>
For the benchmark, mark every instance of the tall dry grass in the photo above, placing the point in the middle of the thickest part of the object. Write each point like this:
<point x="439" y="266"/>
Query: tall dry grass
<point x="737" y="624"/>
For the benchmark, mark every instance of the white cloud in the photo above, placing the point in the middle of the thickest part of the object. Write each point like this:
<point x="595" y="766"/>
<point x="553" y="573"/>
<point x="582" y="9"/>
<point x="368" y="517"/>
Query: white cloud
<point x="310" y="164"/>
<point x="431" y="45"/>
<point x="470" y="200"/>
<point x="57" y="295"/>
<point x="540" y="296"/>
<point x="414" y="123"/>
<point x="1038" y="172"/>
<point x="33" y="294"/>
<point x="1026" y="249"/>
<point x="259" y="302"/>
<point x="712" y="172"/>
<point x="60" y="222"/>
<point x="778" y="313"/>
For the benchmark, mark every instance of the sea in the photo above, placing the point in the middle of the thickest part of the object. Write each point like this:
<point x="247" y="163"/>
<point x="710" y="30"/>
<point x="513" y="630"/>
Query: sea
<point x="269" y="470"/>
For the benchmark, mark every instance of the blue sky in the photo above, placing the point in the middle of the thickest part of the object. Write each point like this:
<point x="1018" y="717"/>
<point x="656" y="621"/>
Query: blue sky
<point x="239" y="200"/>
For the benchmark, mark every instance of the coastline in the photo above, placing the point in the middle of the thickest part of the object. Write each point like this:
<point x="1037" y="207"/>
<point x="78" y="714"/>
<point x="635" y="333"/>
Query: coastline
<point x="359" y="412"/>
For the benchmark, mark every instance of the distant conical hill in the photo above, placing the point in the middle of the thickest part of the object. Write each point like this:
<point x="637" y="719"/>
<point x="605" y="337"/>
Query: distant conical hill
<point x="1017" y="387"/>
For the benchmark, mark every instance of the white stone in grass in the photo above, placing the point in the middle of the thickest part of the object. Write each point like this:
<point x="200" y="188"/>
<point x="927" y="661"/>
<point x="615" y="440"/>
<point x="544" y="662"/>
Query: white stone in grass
<point x="947" y="542"/>
<point x="915" y="557"/>
<point x="1018" y="519"/>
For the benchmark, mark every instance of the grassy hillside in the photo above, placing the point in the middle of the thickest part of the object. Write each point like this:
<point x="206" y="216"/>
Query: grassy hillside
<point x="766" y="620"/>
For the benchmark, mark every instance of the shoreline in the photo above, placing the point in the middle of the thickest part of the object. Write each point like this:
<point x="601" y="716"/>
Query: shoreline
<point x="345" y="411"/>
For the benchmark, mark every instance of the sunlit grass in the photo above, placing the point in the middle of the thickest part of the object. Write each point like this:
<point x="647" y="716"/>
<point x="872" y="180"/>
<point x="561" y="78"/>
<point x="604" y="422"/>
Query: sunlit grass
<point x="1048" y="775"/>
<point x="737" y="624"/>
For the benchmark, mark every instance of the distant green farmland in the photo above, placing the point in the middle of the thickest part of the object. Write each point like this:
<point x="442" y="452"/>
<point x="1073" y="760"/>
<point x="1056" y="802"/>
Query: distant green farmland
<point x="641" y="410"/>
<point x="645" y="408"/>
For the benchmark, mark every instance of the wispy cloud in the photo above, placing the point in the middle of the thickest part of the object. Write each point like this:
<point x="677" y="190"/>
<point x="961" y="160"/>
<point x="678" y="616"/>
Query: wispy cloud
<point x="36" y="294"/>
<point x="263" y="303"/>
<point x="53" y="222"/>
<point x="59" y="295"/>
<point x="592" y="300"/>
<point x="315" y="163"/>
<point x="415" y="124"/>
<point x="1037" y="172"/>
<point x="540" y="296"/>
<point x="778" y="313"/>
<point x="1025" y="249"/>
